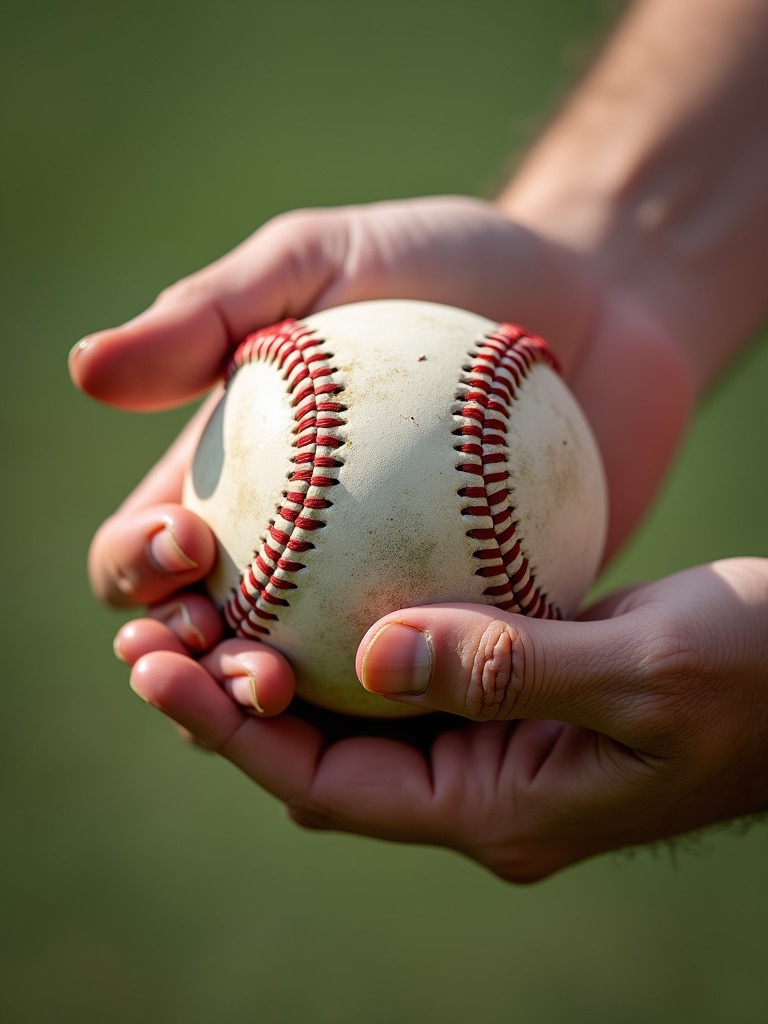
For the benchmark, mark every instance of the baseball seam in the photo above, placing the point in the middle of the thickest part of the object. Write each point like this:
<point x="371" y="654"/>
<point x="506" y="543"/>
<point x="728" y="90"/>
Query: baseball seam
<point x="294" y="350"/>
<point x="498" y="367"/>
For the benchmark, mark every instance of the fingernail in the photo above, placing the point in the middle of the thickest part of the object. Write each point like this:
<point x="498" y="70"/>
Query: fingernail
<point x="398" y="661"/>
<point x="78" y="347"/>
<point x="116" y="647"/>
<point x="74" y="354"/>
<point x="252" y="681"/>
<point x="243" y="685"/>
<point x="139" y="694"/>
<point x="165" y="553"/>
<point x="177" y="618"/>
<point x="135" y="681"/>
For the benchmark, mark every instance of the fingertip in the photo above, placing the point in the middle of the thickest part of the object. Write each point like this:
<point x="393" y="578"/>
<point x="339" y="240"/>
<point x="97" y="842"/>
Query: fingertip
<point x="143" y="557"/>
<point x="99" y="365"/>
<point x="396" y="660"/>
<point x="179" y="542"/>
<point x="162" y="677"/>
<point x="256" y="676"/>
<point x="141" y="677"/>
<point x="193" y="619"/>
<point x="166" y="551"/>
<point x="265" y="697"/>
<point x="169" y="354"/>
<point x="143" y="636"/>
<point x="77" y="360"/>
<point x="441" y="658"/>
<point x="275" y="686"/>
<point x="183" y="690"/>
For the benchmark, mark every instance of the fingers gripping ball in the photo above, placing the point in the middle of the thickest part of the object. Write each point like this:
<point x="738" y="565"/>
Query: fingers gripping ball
<point x="389" y="454"/>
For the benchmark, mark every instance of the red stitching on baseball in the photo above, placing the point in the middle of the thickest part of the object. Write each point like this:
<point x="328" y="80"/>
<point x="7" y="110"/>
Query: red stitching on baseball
<point x="294" y="351"/>
<point x="498" y="367"/>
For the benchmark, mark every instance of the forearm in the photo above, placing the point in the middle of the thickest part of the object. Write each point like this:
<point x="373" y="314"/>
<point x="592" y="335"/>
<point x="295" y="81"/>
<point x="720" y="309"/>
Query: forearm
<point x="657" y="169"/>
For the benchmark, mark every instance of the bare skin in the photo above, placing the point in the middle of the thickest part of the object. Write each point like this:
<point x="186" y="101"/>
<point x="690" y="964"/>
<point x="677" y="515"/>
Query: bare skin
<point x="633" y="237"/>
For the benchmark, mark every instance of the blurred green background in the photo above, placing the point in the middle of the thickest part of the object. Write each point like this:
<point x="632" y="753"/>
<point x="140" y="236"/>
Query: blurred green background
<point x="142" y="879"/>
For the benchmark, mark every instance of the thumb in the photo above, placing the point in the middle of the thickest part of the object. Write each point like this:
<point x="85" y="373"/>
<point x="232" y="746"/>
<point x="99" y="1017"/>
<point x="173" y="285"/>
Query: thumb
<point x="485" y="664"/>
<point x="177" y="348"/>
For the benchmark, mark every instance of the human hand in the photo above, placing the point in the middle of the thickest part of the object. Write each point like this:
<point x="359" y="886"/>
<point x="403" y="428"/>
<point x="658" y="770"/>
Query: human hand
<point x="617" y="359"/>
<point x="461" y="251"/>
<point x="644" y="720"/>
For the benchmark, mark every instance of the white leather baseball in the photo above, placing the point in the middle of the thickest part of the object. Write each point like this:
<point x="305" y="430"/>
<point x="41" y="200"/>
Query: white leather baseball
<point x="389" y="454"/>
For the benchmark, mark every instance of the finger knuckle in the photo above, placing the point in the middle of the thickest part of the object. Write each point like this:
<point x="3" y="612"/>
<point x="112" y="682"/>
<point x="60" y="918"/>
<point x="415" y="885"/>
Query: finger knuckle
<point x="181" y="292"/>
<point x="670" y="655"/>
<point x="291" y="221"/>
<point x="671" y="671"/>
<point x="309" y="239"/>
<point x="496" y="673"/>
<point x="295" y="231"/>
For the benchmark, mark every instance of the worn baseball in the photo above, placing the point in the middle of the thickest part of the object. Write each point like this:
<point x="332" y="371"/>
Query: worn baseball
<point x="389" y="454"/>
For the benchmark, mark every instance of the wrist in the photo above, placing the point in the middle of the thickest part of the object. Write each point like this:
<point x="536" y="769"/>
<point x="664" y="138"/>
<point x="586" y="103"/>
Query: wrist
<point x="634" y="247"/>
<point x="654" y="171"/>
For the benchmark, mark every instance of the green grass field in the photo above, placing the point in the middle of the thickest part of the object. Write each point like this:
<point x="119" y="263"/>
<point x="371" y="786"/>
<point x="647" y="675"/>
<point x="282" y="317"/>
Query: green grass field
<point x="143" y="880"/>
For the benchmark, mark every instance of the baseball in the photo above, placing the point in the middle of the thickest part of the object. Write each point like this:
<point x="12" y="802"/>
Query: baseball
<point x="389" y="454"/>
